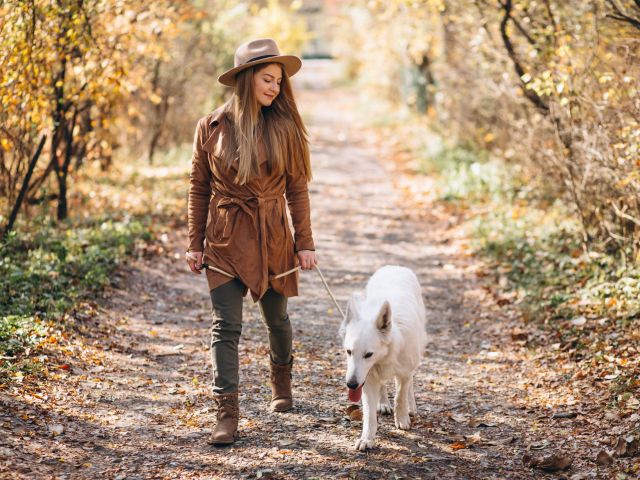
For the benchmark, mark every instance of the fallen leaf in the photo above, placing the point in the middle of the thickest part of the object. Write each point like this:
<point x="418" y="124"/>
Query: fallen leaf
<point x="501" y="441"/>
<point x="519" y="334"/>
<point x="626" y="446"/>
<point x="459" y="418"/>
<point x="329" y="419"/>
<point x="551" y="463"/>
<point x="475" y="423"/>
<point x="356" y="415"/>
<point x="473" y="439"/>
<point x="56" y="429"/>
<point x="354" y="412"/>
<point x="564" y="415"/>
<point x="579" y="321"/>
<point x="539" y="445"/>
<point x="604" y="458"/>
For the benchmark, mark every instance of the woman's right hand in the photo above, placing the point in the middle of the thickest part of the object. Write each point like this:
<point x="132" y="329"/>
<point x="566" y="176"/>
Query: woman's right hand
<point x="194" y="259"/>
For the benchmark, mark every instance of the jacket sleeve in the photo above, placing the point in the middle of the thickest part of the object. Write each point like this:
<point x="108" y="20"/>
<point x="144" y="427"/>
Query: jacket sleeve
<point x="297" y="194"/>
<point x="199" y="192"/>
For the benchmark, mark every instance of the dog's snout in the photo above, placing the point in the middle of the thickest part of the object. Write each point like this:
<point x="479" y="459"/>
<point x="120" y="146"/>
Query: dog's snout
<point x="352" y="384"/>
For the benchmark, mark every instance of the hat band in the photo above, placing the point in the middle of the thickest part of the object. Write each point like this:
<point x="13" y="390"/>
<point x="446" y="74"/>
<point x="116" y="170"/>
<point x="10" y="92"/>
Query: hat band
<point x="259" y="58"/>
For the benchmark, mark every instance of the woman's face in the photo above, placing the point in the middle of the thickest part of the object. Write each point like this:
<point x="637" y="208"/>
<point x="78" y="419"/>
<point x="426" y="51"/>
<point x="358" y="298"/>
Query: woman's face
<point x="266" y="83"/>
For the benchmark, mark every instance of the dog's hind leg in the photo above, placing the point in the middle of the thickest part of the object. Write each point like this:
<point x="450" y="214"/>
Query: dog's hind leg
<point x="384" y="405"/>
<point x="402" y="420"/>
<point x="413" y="408"/>
<point x="370" y="394"/>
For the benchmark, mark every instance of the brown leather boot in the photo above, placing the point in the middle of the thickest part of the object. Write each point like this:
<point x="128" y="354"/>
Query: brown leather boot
<point x="281" y="398"/>
<point x="227" y="426"/>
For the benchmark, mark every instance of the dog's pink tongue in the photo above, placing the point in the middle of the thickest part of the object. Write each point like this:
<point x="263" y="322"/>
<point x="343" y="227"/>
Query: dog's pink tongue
<point x="355" y="394"/>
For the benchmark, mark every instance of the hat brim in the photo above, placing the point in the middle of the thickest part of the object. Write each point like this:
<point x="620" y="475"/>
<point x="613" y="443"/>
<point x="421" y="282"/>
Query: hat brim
<point x="291" y="65"/>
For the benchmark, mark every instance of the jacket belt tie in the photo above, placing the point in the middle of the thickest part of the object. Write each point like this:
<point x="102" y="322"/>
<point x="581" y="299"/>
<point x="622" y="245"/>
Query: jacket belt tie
<point x="247" y="205"/>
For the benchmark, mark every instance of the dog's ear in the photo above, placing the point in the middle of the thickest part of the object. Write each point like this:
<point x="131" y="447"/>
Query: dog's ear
<point x="343" y="326"/>
<point x="350" y="312"/>
<point x="352" y="306"/>
<point x="383" y="322"/>
<point x="346" y="312"/>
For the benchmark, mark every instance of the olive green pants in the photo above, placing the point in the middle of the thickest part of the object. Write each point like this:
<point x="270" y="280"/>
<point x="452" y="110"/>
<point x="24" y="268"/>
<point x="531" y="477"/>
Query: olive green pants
<point x="226" y="301"/>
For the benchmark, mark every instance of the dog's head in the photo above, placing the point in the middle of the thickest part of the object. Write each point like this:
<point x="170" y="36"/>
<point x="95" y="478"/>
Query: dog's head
<point x="365" y="333"/>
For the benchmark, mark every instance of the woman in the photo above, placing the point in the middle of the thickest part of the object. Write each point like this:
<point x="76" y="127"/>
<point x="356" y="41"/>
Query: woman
<point x="247" y="156"/>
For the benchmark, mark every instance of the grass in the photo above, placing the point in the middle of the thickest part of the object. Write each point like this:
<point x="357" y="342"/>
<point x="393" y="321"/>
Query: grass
<point x="467" y="174"/>
<point x="587" y="302"/>
<point x="45" y="272"/>
<point x="48" y="269"/>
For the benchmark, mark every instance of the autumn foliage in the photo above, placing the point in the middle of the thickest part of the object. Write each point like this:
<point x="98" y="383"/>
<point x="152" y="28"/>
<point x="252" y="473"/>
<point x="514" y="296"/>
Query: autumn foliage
<point x="549" y="86"/>
<point x="93" y="79"/>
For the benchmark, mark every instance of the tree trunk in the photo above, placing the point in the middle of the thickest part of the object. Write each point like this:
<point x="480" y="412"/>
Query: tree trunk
<point x="25" y="185"/>
<point x="63" y="172"/>
<point x="62" y="210"/>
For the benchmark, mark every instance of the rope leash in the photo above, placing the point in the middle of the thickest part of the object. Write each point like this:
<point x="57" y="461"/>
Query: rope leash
<point x="274" y="277"/>
<point x="324" y="282"/>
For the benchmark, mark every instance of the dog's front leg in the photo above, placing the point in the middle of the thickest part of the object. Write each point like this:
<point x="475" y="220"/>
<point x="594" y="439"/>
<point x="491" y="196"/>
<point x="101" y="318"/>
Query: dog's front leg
<point x="403" y="422"/>
<point x="413" y="408"/>
<point x="370" y="396"/>
<point x="384" y="405"/>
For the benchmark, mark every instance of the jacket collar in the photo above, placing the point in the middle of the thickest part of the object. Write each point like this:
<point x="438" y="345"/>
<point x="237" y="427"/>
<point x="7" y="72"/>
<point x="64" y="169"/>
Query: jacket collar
<point x="214" y="121"/>
<point x="216" y="115"/>
<point x="212" y="139"/>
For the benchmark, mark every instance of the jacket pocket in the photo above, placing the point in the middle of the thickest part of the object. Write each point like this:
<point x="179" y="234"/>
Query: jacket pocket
<point x="221" y="227"/>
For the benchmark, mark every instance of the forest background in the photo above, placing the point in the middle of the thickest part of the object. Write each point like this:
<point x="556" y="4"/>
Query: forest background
<point x="521" y="116"/>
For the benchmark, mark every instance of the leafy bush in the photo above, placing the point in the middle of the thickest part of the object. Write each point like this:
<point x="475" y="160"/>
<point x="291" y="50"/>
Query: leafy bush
<point x="540" y="254"/>
<point x="43" y="273"/>
<point x="466" y="172"/>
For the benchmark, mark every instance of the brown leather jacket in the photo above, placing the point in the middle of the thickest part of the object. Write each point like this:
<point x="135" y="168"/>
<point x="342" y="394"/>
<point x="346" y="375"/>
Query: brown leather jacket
<point x="244" y="229"/>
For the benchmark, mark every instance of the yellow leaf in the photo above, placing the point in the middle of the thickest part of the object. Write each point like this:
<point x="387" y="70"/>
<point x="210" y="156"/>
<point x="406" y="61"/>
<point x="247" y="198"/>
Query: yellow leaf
<point x="155" y="98"/>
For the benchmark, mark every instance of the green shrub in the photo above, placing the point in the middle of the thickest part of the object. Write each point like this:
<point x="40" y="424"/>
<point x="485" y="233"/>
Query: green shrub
<point x="42" y="274"/>
<point x="465" y="172"/>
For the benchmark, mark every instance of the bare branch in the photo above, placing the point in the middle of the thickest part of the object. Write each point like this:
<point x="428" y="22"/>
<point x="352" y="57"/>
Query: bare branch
<point x="625" y="215"/>
<point x="521" y="29"/>
<point x="530" y="94"/>
<point x="622" y="16"/>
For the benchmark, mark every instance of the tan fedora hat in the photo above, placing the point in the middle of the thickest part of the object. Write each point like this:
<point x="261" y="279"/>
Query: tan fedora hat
<point x="255" y="52"/>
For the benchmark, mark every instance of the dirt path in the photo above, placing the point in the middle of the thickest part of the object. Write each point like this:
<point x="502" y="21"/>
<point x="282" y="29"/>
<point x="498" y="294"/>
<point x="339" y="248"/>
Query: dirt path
<point x="135" y="402"/>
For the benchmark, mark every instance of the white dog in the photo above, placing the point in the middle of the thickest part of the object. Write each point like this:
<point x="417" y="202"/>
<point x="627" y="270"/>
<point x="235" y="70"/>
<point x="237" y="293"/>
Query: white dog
<point x="384" y="337"/>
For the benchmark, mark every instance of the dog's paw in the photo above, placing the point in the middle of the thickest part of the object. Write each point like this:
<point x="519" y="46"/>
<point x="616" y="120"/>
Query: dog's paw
<point x="385" y="409"/>
<point x="364" y="444"/>
<point x="403" y="422"/>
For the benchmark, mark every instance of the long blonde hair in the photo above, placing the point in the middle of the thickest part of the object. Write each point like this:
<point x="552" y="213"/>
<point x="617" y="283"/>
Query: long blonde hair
<point x="279" y="125"/>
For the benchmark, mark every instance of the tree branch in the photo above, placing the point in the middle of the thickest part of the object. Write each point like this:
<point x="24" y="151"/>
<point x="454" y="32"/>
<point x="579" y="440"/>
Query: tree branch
<point x="530" y="94"/>
<point x="520" y="28"/>
<point x="621" y="16"/>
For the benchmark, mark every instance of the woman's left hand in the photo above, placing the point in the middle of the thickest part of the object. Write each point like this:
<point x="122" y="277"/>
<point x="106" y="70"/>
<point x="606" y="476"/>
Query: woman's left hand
<point x="308" y="259"/>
